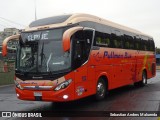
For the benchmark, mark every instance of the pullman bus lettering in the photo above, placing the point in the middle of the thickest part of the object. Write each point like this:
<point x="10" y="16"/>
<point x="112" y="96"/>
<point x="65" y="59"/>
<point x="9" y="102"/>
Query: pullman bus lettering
<point x="114" y="55"/>
<point x="68" y="57"/>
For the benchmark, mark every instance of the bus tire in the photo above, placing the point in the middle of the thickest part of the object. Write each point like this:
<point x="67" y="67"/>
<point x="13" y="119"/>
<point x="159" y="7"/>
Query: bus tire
<point x="143" y="82"/>
<point x="144" y="79"/>
<point x="100" y="89"/>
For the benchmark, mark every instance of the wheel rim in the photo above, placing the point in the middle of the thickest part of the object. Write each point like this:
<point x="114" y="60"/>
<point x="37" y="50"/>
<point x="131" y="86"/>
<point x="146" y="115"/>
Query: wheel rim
<point x="100" y="89"/>
<point x="144" y="79"/>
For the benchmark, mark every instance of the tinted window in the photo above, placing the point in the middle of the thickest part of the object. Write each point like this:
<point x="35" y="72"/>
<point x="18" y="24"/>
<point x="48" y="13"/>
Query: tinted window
<point x="144" y="45"/>
<point x="137" y="43"/>
<point x="151" y="45"/>
<point x="116" y="41"/>
<point x="102" y="39"/>
<point x="148" y="45"/>
<point x="128" y="42"/>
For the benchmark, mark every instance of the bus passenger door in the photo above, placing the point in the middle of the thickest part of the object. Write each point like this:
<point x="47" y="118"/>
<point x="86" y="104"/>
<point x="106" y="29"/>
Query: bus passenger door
<point x="81" y="46"/>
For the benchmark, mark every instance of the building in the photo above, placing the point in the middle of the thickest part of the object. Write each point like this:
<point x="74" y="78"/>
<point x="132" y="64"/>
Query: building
<point x="6" y="33"/>
<point x="11" y="31"/>
<point x="1" y="38"/>
<point x="11" y="44"/>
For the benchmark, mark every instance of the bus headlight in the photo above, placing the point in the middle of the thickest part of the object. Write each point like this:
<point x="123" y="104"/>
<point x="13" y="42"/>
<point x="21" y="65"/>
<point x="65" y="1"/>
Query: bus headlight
<point x="63" y="85"/>
<point x="18" y="85"/>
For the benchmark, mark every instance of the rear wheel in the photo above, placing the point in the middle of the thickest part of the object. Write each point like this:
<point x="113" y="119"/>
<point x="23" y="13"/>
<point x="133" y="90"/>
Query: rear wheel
<point x="144" y="79"/>
<point x="143" y="82"/>
<point x="101" y="89"/>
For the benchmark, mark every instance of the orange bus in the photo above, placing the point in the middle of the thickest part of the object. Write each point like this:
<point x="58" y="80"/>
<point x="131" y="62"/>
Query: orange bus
<point x="68" y="57"/>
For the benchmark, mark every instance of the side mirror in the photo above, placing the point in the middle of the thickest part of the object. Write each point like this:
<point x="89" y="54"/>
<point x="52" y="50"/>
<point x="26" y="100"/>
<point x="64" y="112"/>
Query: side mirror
<point x="66" y="39"/>
<point x="4" y="44"/>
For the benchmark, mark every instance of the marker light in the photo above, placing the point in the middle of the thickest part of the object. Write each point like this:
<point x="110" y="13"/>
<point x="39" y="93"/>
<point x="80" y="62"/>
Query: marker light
<point x="63" y="85"/>
<point x="65" y="97"/>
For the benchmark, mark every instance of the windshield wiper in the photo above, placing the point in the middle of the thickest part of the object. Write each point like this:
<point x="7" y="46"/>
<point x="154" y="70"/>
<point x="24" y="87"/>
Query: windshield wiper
<point x="48" y="61"/>
<point x="42" y="53"/>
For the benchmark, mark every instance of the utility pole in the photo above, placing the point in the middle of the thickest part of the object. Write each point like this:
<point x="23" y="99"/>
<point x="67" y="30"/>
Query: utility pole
<point x="35" y="9"/>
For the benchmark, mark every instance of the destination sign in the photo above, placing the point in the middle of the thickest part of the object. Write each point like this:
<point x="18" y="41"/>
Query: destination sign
<point x="42" y="35"/>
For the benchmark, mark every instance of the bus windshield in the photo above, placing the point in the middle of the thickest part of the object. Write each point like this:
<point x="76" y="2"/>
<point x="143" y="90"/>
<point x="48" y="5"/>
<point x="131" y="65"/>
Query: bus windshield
<point x="42" y="52"/>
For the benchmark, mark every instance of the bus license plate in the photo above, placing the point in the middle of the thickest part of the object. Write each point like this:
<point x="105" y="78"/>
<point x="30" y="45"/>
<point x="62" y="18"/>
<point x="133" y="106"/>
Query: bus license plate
<point x="37" y="93"/>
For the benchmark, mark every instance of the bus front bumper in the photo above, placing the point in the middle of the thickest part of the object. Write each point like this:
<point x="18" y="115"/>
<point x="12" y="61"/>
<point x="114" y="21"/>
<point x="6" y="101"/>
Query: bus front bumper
<point x="37" y="95"/>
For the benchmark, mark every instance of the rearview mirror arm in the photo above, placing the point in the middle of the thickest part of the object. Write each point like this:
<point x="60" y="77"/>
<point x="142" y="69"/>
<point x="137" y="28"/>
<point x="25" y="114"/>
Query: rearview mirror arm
<point x="5" y="41"/>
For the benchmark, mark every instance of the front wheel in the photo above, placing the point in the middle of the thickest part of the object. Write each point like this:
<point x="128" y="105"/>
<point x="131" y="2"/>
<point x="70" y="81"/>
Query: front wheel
<point x="101" y="89"/>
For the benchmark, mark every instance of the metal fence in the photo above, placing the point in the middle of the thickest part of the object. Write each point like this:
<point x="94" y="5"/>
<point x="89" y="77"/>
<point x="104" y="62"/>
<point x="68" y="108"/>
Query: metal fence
<point x="6" y="72"/>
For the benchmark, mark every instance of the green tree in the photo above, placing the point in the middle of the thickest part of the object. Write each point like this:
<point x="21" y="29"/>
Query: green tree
<point x="157" y="50"/>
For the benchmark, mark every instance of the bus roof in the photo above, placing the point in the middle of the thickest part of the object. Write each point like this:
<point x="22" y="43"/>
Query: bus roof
<point x="50" y="20"/>
<point x="64" y="20"/>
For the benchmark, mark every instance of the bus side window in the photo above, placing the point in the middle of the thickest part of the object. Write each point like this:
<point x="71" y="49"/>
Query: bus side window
<point x="131" y="43"/>
<point x="128" y="42"/>
<point x="148" y="45"/>
<point x="107" y="42"/>
<point x="102" y="39"/>
<point x="126" y="45"/>
<point x="98" y="40"/>
<point x="143" y="45"/>
<point x="116" y="41"/>
<point x="137" y="45"/>
<point x="152" y="45"/>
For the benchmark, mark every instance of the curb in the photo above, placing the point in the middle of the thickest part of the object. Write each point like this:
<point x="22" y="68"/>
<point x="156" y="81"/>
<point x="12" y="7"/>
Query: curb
<point x="5" y="85"/>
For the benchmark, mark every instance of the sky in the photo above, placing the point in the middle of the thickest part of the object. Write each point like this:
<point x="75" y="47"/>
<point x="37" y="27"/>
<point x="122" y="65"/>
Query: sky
<point x="142" y="15"/>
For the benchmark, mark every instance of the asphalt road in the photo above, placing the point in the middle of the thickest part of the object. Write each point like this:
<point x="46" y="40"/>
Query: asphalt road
<point x="128" y="98"/>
